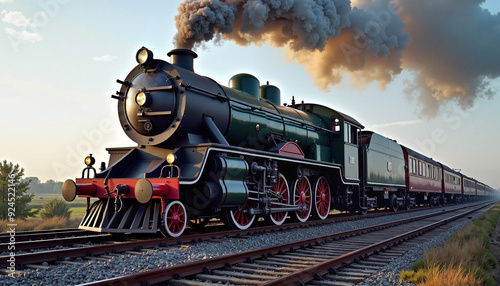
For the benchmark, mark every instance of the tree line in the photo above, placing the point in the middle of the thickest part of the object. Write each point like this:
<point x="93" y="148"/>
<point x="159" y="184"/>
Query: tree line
<point x="37" y="187"/>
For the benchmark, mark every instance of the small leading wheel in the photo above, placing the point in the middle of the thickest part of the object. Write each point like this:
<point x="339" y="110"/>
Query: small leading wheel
<point x="238" y="219"/>
<point x="302" y="195"/>
<point x="321" y="198"/>
<point x="174" y="219"/>
<point x="280" y="188"/>
<point x="393" y="203"/>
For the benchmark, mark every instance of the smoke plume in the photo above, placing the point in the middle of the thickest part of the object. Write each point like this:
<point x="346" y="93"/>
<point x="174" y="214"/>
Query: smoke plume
<point x="452" y="51"/>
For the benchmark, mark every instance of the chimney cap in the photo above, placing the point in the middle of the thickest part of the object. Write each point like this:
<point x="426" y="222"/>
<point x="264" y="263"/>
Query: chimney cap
<point x="182" y="52"/>
<point x="182" y="58"/>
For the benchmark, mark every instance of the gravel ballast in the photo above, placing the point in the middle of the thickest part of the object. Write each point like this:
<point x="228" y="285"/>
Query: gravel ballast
<point x="124" y="264"/>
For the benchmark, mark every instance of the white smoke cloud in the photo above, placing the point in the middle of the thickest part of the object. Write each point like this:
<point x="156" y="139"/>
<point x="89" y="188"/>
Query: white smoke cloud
<point x="24" y="35"/>
<point x="396" y="123"/>
<point x="15" y="18"/>
<point x="23" y="23"/>
<point x="104" y="58"/>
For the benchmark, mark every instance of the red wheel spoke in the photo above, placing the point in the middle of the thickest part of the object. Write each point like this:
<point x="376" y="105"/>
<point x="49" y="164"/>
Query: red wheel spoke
<point x="174" y="220"/>
<point x="303" y="195"/>
<point x="241" y="219"/>
<point x="280" y="188"/>
<point x="322" y="198"/>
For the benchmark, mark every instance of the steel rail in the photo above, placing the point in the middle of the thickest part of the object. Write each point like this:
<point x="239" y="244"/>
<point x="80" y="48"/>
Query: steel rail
<point x="56" y="255"/>
<point x="42" y="234"/>
<point x="306" y="275"/>
<point x="188" y="269"/>
<point x="39" y="243"/>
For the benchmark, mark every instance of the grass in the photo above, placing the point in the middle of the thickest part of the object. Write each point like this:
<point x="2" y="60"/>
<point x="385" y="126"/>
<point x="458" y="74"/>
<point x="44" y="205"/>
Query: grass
<point x="77" y="212"/>
<point x="39" y="224"/>
<point x="436" y="275"/>
<point x="465" y="259"/>
<point x="77" y="207"/>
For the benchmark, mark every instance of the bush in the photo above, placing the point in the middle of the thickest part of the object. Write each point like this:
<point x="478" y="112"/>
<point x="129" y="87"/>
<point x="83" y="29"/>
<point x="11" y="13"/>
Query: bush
<point x="55" y="207"/>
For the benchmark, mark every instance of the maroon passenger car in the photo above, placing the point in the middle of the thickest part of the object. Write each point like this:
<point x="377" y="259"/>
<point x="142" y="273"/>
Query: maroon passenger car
<point x="468" y="188"/>
<point x="423" y="178"/>
<point x="452" y="185"/>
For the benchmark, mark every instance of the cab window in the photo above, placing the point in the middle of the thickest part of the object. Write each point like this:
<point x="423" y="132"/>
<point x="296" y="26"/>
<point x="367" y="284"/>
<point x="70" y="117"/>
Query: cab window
<point x="350" y="134"/>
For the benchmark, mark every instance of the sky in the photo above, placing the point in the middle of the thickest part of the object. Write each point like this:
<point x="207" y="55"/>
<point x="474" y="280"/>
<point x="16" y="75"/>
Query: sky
<point x="59" y="61"/>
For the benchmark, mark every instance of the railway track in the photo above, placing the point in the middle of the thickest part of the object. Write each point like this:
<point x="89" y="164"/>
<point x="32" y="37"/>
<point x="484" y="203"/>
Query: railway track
<point x="119" y="257"/>
<point x="52" y="241"/>
<point x="43" y="234"/>
<point x="44" y="246"/>
<point x="325" y="260"/>
<point x="44" y="239"/>
<point x="31" y="241"/>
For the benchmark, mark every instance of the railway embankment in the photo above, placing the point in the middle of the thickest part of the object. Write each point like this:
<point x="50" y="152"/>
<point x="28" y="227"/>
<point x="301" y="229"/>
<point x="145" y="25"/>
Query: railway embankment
<point x="469" y="257"/>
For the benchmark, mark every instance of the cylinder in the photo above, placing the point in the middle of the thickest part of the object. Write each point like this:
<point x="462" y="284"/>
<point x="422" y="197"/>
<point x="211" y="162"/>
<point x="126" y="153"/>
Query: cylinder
<point x="70" y="189"/>
<point x="144" y="190"/>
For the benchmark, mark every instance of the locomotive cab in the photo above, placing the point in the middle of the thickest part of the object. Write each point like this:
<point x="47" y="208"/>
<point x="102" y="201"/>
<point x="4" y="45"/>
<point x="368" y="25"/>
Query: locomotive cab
<point x="344" y="143"/>
<point x="343" y="149"/>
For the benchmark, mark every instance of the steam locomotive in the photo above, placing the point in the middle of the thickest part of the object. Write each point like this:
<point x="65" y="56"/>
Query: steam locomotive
<point x="236" y="153"/>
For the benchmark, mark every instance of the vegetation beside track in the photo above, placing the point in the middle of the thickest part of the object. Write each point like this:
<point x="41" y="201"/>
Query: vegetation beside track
<point x="465" y="259"/>
<point x="40" y="224"/>
<point x="77" y="207"/>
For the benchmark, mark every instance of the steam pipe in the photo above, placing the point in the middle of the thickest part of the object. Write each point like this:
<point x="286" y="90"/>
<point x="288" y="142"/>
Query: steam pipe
<point x="213" y="131"/>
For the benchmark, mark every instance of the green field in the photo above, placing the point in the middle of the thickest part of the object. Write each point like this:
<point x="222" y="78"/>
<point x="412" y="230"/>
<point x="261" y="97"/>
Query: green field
<point x="77" y="206"/>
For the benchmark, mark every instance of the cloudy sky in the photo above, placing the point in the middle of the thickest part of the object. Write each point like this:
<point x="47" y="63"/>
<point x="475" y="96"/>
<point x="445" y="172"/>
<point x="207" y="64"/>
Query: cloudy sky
<point x="426" y="73"/>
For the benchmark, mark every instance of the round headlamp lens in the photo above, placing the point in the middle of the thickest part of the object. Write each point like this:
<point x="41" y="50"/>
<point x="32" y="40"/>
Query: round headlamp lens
<point x="141" y="98"/>
<point x="143" y="56"/>
<point x="170" y="158"/>
<point x="89" y="160"/>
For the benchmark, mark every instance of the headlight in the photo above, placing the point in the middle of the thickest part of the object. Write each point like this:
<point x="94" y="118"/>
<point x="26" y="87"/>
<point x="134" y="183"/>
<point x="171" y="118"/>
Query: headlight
<point x="141" y="98"/>
<point x="89" y="160"/>
<point x="144" y="56"/>
<point x="171" y="158"/>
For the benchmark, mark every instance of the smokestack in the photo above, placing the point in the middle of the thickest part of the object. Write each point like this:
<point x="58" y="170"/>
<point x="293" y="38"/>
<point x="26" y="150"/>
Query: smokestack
<point x="183" y="58"/>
